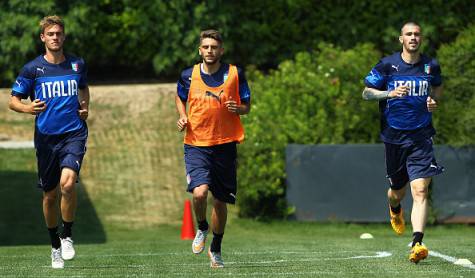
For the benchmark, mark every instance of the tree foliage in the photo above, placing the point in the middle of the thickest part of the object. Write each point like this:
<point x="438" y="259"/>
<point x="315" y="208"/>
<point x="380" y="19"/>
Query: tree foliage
<point x="155" y="39"/>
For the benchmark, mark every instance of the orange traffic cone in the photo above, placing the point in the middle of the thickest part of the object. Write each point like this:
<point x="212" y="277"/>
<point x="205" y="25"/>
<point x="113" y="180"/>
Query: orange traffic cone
<point x="187" y="227"/>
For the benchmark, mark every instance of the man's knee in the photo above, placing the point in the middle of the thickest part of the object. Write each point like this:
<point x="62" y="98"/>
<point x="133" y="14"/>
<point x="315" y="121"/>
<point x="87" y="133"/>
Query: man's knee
<point x="420" y="189"/>
<point x="419" y="194"/>
<point x="200" y="193"/>
<point x="67" y="183"/>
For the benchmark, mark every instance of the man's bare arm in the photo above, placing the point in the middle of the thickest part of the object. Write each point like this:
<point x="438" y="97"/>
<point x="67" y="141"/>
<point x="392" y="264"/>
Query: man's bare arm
<point x="181" y="108"/>
<point x="83" y="98"/>
<point x="375" y="94"/>
<point x="244" y="108"/>
<point x="35" y="107"/>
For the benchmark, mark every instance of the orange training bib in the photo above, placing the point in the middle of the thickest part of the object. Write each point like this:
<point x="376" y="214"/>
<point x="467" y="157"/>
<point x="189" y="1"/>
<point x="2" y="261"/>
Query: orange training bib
<point x="209" y="121"/>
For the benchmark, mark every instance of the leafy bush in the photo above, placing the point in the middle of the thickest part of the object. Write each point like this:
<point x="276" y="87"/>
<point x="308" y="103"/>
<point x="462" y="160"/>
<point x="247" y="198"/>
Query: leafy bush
<point x="455" y="121"/>
<point x="315" y="99"/>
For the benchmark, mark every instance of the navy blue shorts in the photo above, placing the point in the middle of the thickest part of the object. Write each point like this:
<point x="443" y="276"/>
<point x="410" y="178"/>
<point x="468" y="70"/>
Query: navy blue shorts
<point x="214" y="166"/>
<point x="54" y="152"/>
<point x="405" y="163"/>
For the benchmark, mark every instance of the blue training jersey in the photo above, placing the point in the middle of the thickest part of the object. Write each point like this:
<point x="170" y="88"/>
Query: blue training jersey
<point x="58" y="85"/>
<point x="407" y="118"/>
<point x="213" y="80"/>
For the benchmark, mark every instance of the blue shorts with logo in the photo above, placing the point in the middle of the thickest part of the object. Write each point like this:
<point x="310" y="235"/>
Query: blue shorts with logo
<point x="407" y="162"/>
<point x="215" y="166"/>
<point x="55" y="152"/>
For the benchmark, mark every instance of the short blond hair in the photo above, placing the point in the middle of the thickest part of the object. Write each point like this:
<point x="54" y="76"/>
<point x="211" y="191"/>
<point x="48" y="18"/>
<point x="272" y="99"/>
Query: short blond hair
<point x="51" y="20"/>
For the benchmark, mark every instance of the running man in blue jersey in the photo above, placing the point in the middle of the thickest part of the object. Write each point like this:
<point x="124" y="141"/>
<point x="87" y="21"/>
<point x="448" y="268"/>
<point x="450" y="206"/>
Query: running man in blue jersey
<point x="407" y="85"/>
<point x="57" y="86"/>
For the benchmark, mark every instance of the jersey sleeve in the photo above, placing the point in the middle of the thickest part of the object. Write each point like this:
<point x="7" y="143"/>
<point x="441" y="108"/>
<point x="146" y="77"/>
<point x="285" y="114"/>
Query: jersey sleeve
<point x="436" y="79"/>
<point x="244" y="91"/>
<point x="183" y="84"/>
<point x="376" y="78"/>
<point x="24" y="83"/>
<point x="83" y="79"/>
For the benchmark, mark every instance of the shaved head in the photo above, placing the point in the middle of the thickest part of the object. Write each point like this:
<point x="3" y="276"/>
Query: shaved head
<point x="409" y="24"/>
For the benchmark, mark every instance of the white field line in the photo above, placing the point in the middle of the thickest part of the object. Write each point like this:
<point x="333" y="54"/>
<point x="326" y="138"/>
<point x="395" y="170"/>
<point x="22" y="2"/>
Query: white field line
<point x="238" y="253"/>
<point x="449" y="259"/>
<point x="17" y="145"/>
<point x="377" y="255"/>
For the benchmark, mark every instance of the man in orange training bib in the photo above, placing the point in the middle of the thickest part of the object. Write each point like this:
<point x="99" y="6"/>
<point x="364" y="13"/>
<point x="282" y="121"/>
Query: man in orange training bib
<point x="216" y="94"/>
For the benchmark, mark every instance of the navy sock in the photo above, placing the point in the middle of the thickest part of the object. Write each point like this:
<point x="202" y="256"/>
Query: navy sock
<point x="216" y="243"/>
<point x="417" y="238"/>
<point x="67" y="229"/>
<point x="53" y="234"/>
<point x="396" y="210"/>
<point x="203" y="225"/>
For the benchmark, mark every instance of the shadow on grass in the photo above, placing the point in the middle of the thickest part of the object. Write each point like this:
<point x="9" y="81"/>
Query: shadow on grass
<point x="21" y="214"/>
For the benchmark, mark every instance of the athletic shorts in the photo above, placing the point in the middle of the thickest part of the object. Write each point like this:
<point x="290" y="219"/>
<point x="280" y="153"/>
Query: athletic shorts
<point x="405" y="163"/>
<point x="54" y="152"/>
<point x="215" y="166"/>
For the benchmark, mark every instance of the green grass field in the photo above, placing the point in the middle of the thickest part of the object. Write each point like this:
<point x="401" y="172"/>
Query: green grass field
<point x="252" y="249"/>
<point x="130" y="204"/>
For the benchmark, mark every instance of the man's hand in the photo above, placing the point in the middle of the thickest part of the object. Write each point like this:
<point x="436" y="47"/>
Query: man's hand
<point x="83" y="111"/>
<point x="181" y="123"/>
<point x="400" y="91"/>
<point x="36" y="107"/>
<point x="232" y="105"/>
<point x="431" y="104"/>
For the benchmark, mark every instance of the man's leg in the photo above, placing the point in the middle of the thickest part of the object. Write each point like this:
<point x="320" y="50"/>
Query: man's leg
<point x="219" y="217"/>
<point x="68" y="210"/>
<point x="420" y="189"/>
<point x="50" y="212"/>
<point x="68" y="194"/>
<point x="200" y="199"/>
<point x="395" y="196"/>
<point x="396" y="213"/>
<point x="398" y="179"/>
